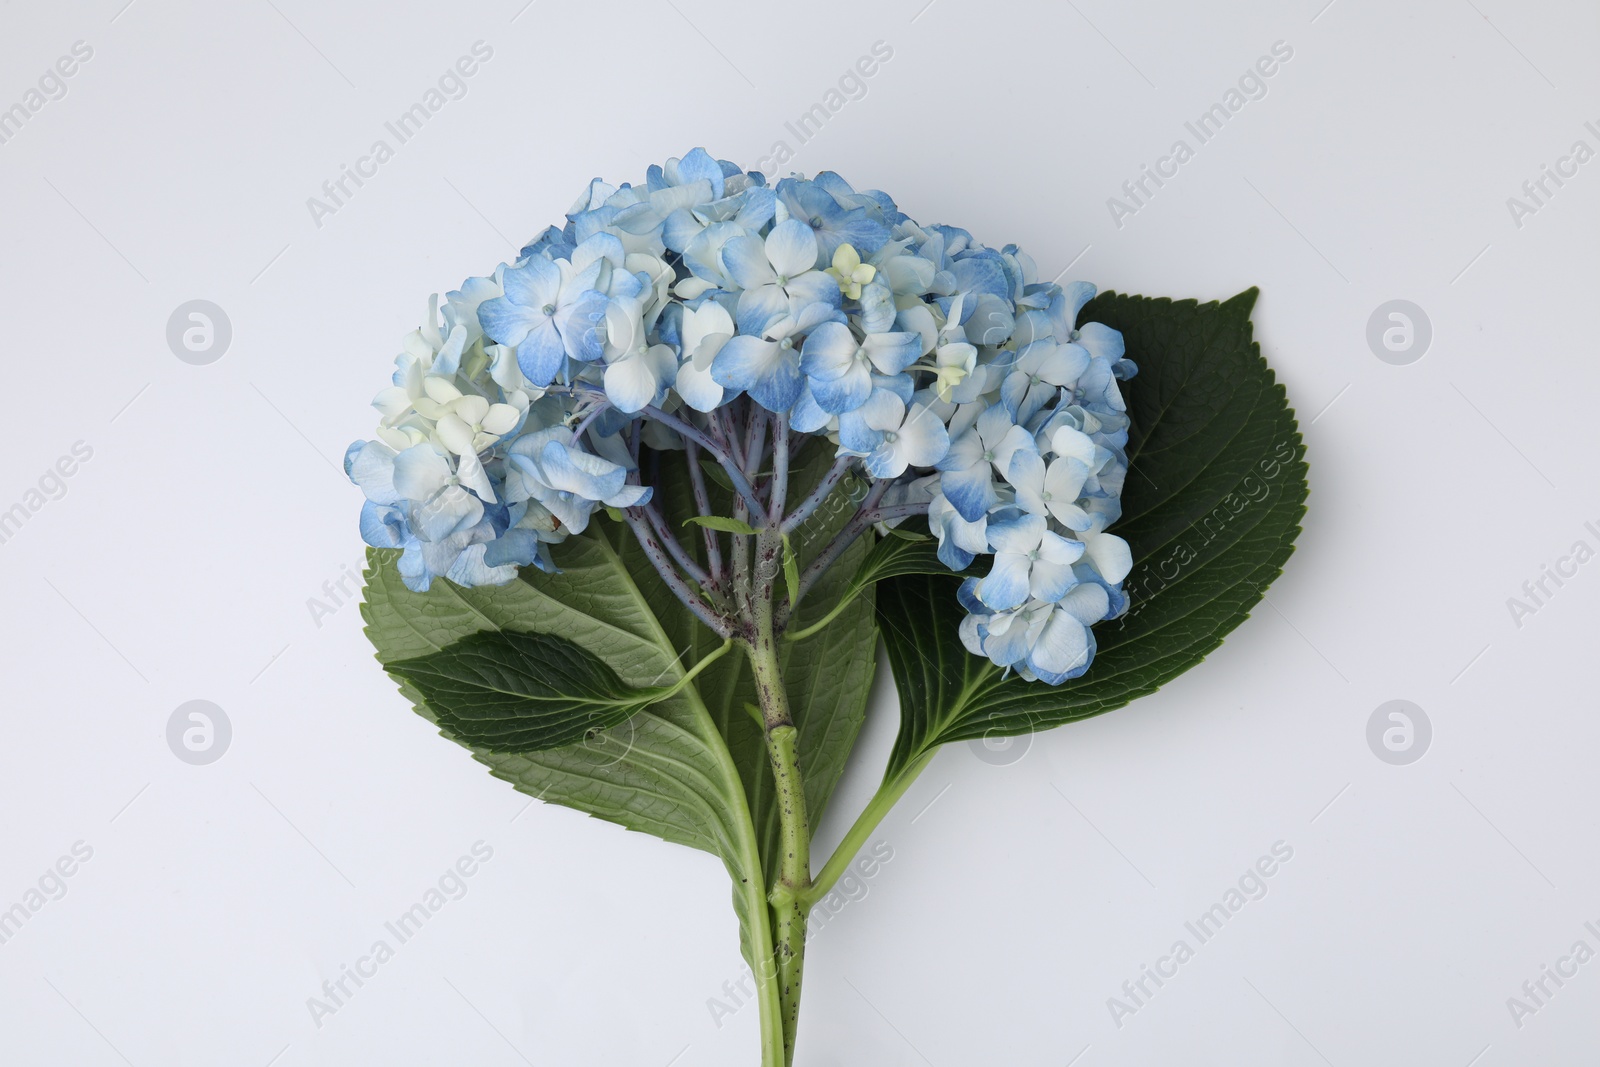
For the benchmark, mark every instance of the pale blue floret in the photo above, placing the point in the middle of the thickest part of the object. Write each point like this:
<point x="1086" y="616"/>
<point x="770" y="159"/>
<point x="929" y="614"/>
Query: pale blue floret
<point x="546" y="317"/>
<point x="976" y="457"/>
<point x="841" y="366"/>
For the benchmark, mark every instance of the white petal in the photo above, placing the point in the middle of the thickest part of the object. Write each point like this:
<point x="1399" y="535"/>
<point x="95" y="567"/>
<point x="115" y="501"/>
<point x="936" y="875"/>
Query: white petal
<point x="500" y="419"/>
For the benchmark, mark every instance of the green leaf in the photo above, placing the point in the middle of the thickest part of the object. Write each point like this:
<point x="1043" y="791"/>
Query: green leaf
<point x="663" y="771"/>
<point x="691" y="768"/>
<point x="720" y="522"/>
<point x="718" y="475"/>
<point x="791" y="570"/>
<point x="521" y="692"/>
<point x="1212" y="505"/>
<point x="905" y="551"/>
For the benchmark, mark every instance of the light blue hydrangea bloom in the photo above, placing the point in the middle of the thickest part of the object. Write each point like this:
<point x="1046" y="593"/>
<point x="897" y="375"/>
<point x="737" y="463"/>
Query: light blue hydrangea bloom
<point x="673" y="313"/>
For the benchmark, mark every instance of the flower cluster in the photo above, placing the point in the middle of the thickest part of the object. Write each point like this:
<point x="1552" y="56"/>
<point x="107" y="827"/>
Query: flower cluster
<point x="668" y="313"/>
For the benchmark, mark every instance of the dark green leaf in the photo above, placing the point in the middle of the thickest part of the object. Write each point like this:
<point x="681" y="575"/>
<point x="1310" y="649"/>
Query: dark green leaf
<point x="665" y="770"/>
<point x="658" y="772"/>
<point x="1212" y="505"/>
<point x="521" y="692"/>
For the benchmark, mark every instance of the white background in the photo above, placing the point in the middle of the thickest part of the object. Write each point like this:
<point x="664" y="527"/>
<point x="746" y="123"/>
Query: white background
<point x="180" y="563"/>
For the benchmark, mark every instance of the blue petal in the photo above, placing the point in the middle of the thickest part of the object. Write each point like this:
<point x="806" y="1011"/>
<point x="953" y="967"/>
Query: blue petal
<point x="845" y="393"/>
<point x="971" y="491"/>
<point x="541" y="353"/>
<point x="470" y="569"/>
<point x="792" y="248"/>
<point x="1006" y="585"/>
<point x="534" y="284"/>
<point x="744" y="258"/>
<point x="743" y="360"/>
<point x="1064" y="649"/>
<point x="829" y="352"/>
<point x="383" y="526"/>
<point x="807" y="416"/>
<point x="892" y="353"/>
<point x="759" y="309"/>
<point x="781" y="388"/>
<point x="698" y="164"/>
<point x="370" y="464"/>
<point x="587" y="476"/>
<point x="583" y="328"/>
<point x="855" y="435"/>
<point x="815" y="287"/>
<point x="507" y="323"/>
<point x="518" y="547"/>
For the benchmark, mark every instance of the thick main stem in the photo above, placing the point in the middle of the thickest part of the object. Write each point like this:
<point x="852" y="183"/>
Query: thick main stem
<point x="790" y="895"/>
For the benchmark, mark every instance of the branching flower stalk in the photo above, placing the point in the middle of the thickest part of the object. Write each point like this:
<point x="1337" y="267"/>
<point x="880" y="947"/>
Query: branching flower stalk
<point x="756" y="623"/>
<point x="711" y="318"/>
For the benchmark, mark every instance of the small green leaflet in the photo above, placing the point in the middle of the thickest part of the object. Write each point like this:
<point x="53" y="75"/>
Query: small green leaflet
<point x="791" y="570"/>
<point x="907" y="550"/>
<point x="720" y="522"/>
<point x="718" y="475"/>
<point x="522" y="692"/>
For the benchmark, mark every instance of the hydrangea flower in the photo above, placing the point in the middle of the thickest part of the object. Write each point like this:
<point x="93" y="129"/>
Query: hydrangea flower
<point x="705" y="309"/>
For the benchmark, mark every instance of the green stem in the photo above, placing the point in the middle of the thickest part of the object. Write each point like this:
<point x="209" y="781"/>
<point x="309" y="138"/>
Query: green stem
<point x="758" y="940"/>
<point x="884" y="799"/>
<point x="792" y="885"/>
<point x="705" y="661"/>
<point x="838" y="609"/>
